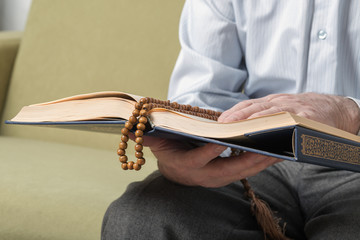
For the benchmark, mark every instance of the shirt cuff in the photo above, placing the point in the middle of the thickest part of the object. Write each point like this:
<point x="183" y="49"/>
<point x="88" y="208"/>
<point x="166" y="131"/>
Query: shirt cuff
<point x="357" y="101"/>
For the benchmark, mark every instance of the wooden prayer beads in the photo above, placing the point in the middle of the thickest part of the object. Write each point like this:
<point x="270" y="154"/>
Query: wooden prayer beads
<point x="139" y="119"/>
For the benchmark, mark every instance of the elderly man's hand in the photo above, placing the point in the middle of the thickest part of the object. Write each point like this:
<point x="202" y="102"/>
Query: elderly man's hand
<point x="202" y="166"/>
<point x="336" y="111"/>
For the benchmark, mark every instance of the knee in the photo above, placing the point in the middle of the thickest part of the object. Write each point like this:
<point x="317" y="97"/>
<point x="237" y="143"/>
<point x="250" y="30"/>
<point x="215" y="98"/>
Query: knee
<point x="136" y="207"/>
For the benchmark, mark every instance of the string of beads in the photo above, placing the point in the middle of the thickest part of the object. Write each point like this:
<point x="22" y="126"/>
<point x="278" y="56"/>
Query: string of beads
<point x="139" y="119"/>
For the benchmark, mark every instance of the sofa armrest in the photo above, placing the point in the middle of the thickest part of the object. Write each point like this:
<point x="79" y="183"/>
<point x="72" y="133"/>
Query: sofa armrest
<point x="9" y="45"/>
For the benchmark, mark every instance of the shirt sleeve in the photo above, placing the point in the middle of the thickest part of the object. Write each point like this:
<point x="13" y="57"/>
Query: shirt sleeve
<point x="210" y="71"/>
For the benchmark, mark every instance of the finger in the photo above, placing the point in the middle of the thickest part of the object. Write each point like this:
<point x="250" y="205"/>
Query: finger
<point x="223" y="171"/>
<point x="246" y="108"/>
<point x="175" y="155"/>
<point x="246" y="112"/>
<point x="235" y="108"/>
<point x="152" y="142"/>
<point x="269" y="111"/>
<point x="183" y="166"/>
<point x="240" y="106"/>
<point x="201" y="156"/>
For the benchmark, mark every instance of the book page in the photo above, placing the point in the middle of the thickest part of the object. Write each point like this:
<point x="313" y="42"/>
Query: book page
<point x="77" y="110"/>
<point x="212" y="129"/>
<point x="197" y="126"/>
<point x="104" y="94"/>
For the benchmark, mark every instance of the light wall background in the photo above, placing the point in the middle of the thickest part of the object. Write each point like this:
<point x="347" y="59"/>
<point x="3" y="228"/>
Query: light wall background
<point x="13" y="14"/>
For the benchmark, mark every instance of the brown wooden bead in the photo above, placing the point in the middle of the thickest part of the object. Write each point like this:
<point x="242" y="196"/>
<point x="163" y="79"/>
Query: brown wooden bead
<point x="130" y="165"/>
<point x="124" y="166"/>
<point x="138" y="147"/>
<point x="125" y="131"/>
<point x="123" y="145"/>
<point x="139" y="140"/>
<point x="124" y="138"/>
<point x="174" y="104"/>
<point x="128" y="125"/>
<point x="140" y="126"/>
<point x="123" y="159"/>
<point x="143" y="120"/>
<point x="139" y="154"/>
<point x="143" y="100"/>
<point x="138" y="106"/>
<point x="132" y="120"/>
<point x="121" y="152"/>
<point x="140" y="161"/>
<point x="137" y="167"/>
<point x="139" y="133"/>
<point x="143" y="112"/>
<point x="146" y="106"/>
<point x="136" y="113"/>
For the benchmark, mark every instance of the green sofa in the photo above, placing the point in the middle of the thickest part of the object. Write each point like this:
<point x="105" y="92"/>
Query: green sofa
<point x="56" y="183"/>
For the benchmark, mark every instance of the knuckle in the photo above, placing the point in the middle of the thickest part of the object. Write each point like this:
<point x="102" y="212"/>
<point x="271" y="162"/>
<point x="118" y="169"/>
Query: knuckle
<point x="239" y="115"/>
<point x="278" y="97"/>
<point x="307" y="113"/>
<point x="277" y="108"/>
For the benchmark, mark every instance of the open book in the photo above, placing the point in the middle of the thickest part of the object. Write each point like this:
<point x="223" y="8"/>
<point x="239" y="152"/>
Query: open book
<point x="283" y="135"/>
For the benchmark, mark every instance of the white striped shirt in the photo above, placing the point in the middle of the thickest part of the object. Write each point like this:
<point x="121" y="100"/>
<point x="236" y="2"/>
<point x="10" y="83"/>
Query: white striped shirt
<point x="238" y="49"/>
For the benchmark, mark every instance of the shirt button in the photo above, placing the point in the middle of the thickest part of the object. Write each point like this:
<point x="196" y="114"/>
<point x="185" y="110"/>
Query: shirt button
<point x="322" y="34"/>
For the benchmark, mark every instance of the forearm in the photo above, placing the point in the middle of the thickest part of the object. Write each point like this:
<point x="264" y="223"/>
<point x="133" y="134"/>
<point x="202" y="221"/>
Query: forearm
<point x="207" y="73"/>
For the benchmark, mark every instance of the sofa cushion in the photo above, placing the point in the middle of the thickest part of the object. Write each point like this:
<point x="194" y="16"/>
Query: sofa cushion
<point x="58" y="191"/>
<point x="89" y="45"/>
<point x="9" y="44"/>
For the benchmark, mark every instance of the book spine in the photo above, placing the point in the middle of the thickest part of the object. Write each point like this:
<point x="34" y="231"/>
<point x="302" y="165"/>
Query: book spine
<point x="326" y="150"/>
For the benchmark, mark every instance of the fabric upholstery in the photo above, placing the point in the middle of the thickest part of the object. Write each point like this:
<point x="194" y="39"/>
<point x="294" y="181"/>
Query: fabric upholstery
<point x="89" y="45"/>
<point x="57" y="191"/>
<point x="57" y="183"/>
<point x="9" y="44"/>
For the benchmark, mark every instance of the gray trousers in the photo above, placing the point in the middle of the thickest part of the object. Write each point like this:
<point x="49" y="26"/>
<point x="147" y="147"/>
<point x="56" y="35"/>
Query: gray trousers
<point x="315" y="203"/>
